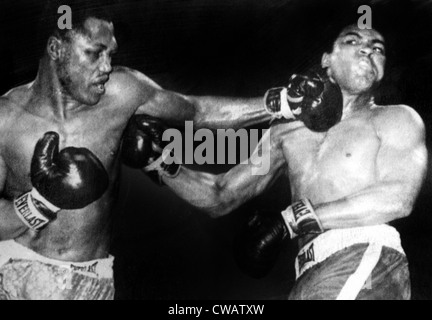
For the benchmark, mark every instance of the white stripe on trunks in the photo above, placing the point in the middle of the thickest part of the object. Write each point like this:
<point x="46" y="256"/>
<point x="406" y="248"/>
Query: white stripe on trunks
<point x="357" y="280"/>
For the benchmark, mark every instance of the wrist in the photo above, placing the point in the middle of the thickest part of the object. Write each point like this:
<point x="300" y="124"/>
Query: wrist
<point x="164" y="166"/>
<point x="34" y="210"/>
<point x="300" y="219"/>
<point x="276" y="103"/>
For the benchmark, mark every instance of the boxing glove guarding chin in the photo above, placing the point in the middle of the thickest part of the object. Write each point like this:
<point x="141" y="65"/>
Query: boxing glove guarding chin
<point x="70" y="179"/>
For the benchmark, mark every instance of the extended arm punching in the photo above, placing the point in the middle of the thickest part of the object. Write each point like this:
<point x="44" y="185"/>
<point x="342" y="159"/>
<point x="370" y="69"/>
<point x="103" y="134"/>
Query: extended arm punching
<point x="220" y="194"/>
<point x="174" y="108"/>
<point x="311" y="98"/>
<point x="215" y="194"/>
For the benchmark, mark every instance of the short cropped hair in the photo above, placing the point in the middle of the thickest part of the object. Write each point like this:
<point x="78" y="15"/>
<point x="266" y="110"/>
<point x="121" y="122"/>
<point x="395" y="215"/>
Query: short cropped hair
<point x="333" y="31"/>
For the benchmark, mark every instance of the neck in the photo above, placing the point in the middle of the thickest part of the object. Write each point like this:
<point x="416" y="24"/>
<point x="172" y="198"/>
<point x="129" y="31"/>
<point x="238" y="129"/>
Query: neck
<point x="353" y="103"/>
<point x="51" y="97"/>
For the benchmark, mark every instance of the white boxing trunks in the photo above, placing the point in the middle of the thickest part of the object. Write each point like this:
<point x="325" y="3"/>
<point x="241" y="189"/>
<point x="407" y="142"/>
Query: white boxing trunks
<point x="355" y="263"/>
<point x="27" y="275"/>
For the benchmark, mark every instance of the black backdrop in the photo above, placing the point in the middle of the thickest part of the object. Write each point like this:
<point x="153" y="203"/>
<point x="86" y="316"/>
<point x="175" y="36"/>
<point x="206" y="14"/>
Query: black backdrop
<point x="164" y="248"/>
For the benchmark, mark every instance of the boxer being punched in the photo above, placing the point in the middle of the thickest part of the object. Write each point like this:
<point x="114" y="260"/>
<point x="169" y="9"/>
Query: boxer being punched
<point x="59" y="160"/>
<point x="348" y="181"/>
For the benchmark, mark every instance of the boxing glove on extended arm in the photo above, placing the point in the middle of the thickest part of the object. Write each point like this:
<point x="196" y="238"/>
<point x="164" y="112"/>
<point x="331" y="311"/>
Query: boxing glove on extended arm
<point x="312" y="98"/>
<point x="70" y="179"/>
<point x="143" y="148"/>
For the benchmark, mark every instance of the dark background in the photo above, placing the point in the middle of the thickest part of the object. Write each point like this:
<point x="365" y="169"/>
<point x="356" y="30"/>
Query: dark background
<point x="164" y="248"/>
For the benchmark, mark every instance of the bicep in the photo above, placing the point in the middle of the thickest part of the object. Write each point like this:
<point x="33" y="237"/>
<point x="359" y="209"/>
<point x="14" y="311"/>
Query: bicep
<point x="173" y="108"/>
<point x="403" y="155"/>
<point x="141" y="95"/>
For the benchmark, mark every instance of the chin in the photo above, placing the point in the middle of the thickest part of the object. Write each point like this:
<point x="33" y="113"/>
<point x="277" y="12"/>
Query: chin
<point x="362" y="84"/>
<point x="94" y="101"/>
<point x="90" y="100"/>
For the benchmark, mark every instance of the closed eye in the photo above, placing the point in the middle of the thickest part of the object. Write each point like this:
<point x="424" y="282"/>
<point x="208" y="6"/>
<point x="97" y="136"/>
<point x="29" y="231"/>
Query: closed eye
<point x="93" y="54"/>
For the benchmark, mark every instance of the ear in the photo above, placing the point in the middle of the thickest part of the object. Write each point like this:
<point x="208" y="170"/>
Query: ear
<point x="54" y="47"/>
<point x="325" y="60"/>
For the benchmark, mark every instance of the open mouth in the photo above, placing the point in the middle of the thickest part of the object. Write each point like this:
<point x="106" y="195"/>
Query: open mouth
<point x="100" y="87"/>
<point x="100" y="84"/>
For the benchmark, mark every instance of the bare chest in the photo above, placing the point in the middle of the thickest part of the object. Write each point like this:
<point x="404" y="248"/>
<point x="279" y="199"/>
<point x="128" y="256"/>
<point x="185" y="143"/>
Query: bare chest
<point x="97" y="131"/>
<point x="341" y="160"/>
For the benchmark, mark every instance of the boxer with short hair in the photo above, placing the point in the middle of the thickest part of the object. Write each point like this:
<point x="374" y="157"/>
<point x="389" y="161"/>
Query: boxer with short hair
<point x="349" y="180"/>
<point x="59" y="159"/>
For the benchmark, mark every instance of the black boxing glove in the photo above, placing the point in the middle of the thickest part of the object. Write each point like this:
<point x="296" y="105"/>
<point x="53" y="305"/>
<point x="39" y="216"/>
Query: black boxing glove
<point x="259" y="242"/>
<point x="312" y="98"/>
<point x="70" y="179"/>
<point x="143" y="148"/>
<point x="257" y="246"/>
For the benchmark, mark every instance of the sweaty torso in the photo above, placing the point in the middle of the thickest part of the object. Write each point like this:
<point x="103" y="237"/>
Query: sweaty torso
<point x="75" y="235"/>
<point x="325" y="167"/>
<point x="328" y="166"/>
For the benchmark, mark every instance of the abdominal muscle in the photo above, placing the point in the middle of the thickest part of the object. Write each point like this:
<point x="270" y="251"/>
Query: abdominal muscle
<point x="75" y="235"/>
<point x="329" y="167"/>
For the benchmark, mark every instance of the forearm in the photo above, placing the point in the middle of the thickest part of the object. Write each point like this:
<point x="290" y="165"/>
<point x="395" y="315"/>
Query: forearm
<point x="375" y="205"/>
<point x="220" y="194"/>
<point x="11" y="225"/>
<point x="202" y="190"/>
<point x="223" y="113"/>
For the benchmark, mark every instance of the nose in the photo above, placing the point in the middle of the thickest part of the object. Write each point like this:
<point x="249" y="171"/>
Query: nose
<point x="105" y="65"/>
<point x="366" y="50"/>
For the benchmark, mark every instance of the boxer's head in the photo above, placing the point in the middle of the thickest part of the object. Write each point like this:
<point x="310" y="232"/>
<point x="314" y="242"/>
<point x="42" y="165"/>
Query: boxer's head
<point x="357" y="59"/>
<point x="81" y="56"/>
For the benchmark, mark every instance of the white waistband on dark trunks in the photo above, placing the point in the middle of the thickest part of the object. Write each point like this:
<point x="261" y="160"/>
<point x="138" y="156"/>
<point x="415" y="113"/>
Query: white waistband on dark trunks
<point x="100" y="268"/>
<point x="335" y="240"/>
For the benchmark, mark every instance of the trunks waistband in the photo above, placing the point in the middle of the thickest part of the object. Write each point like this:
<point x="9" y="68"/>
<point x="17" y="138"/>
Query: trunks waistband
<point x="99" y="268"/>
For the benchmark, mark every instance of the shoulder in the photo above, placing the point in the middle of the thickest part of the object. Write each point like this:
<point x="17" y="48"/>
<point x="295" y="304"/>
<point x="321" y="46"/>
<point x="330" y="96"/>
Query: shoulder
<point x="398" y="121"/>
<point x="11" y="108"/>
<point x="123" y="78"/>
<point x="5" y="107"/>
<point x="130" y="87"/>
<point x="397" y="112"/>
<point x="397" y="115"/>
<point x="14" y="100"/>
